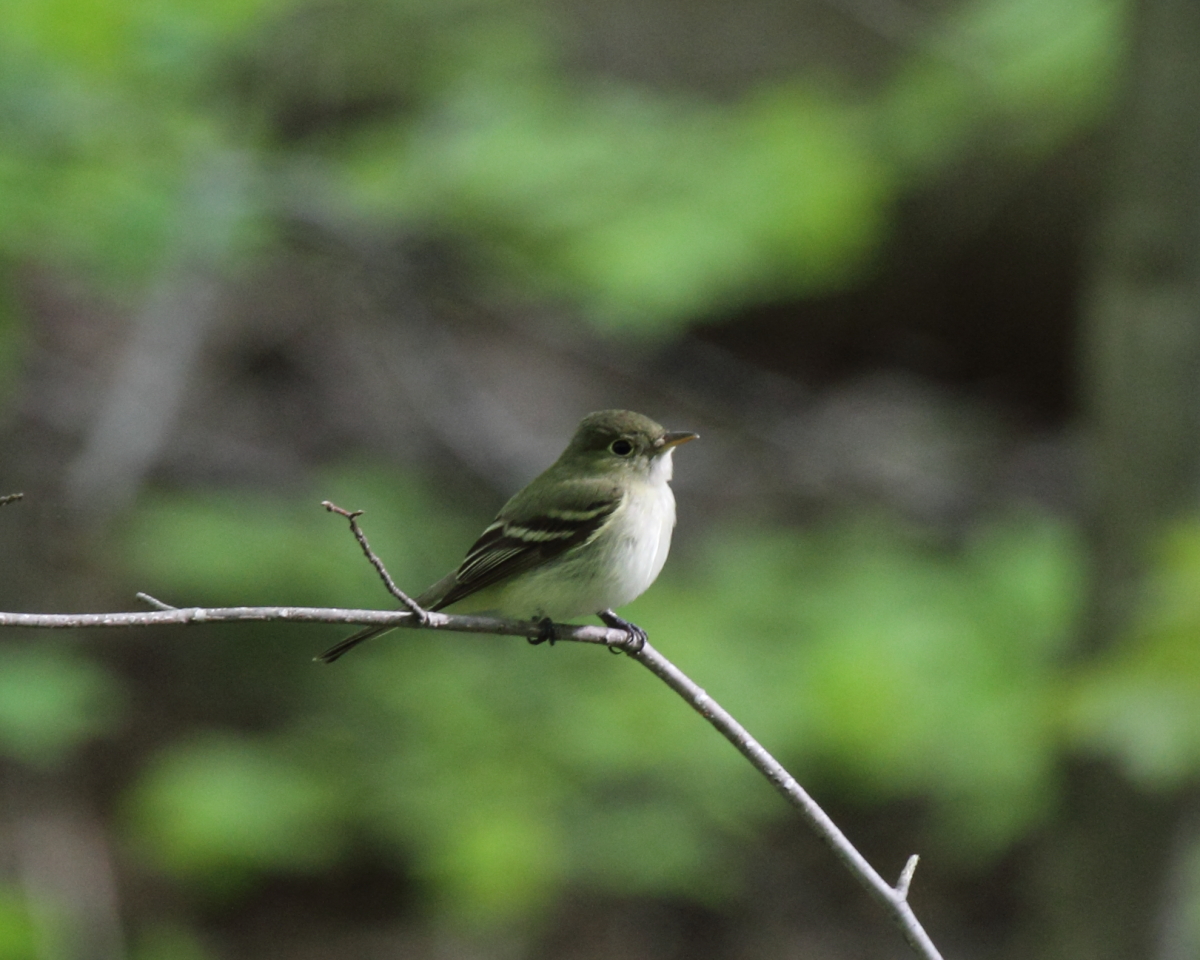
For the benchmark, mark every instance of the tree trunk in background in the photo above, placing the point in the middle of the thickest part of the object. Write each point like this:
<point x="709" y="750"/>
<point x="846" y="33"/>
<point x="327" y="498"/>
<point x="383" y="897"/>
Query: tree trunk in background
<point x="1102" y="885"/>
<point x="1141" y="323"/>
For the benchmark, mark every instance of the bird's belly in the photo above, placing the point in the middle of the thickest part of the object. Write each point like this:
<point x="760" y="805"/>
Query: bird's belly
<point x="609" y="571"/>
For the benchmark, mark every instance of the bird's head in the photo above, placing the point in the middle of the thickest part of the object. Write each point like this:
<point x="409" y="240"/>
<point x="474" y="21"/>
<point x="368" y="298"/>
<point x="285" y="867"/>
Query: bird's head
<point x="623" y="442"/>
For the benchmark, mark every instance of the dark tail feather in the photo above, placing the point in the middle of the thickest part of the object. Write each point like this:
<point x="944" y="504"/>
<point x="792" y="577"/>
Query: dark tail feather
<point x="342" y="646"/>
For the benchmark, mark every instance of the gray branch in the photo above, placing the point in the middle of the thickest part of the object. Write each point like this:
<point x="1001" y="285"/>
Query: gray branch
<point x="166" y="615"/>
<point x="894" y="900"/>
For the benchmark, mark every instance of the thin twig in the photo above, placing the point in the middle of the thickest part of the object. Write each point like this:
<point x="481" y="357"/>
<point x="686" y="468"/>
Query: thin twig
<point x="153" y="602"/>
<point x="11" y="498"/>
<point x="395" y="591"/>
<point x="906" y="876"/>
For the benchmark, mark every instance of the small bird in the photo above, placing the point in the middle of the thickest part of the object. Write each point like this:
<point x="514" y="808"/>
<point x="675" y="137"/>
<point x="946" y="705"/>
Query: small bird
<point x="589" y="534"/>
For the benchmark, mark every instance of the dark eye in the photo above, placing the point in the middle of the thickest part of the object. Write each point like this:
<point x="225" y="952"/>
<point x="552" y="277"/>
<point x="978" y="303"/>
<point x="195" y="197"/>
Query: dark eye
<point x="621" y="447"/>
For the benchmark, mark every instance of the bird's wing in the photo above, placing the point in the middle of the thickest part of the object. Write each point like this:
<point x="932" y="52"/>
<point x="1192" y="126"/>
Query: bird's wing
<point x="524" y="536"/>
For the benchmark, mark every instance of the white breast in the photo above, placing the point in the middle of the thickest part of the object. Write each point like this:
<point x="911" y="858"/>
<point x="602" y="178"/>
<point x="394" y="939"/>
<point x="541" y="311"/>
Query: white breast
<point x="640" y="541"/>
<point x="612" y="569"/>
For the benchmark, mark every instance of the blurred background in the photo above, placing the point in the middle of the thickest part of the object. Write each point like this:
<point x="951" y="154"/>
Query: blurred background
<point x="923" y="274"/>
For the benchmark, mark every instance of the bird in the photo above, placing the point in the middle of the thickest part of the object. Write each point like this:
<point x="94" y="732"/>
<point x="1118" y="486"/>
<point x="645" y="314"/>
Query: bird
<point x="589" y="534"/>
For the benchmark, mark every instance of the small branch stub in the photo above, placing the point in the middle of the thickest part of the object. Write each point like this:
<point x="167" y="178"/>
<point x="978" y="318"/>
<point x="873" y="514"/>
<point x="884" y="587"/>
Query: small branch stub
<point x="153" y="602"/>
<point x="11" y="498"/>
<point x="906" y="876"/>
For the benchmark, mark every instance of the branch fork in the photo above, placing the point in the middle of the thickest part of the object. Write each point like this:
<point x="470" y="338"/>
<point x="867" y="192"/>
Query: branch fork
<point x="421" y="615"/>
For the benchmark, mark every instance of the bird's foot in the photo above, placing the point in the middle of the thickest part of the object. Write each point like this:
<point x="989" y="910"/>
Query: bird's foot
<point x="637" y="636"/>
<point x="545" y="632"/>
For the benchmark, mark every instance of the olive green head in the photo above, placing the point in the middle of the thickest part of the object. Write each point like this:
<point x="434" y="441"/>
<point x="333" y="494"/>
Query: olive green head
<point x="621" y="439"/>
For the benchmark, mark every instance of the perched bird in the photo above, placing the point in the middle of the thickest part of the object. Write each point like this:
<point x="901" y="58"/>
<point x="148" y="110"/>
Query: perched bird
<point x="589" y="534"/>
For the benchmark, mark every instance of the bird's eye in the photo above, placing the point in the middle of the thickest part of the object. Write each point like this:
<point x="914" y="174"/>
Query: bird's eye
<point x="621" y="447"/>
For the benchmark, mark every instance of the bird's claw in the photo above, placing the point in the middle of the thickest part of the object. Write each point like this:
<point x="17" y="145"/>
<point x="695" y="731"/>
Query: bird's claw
<point x="545" y="632"/>
<point x="637" y="636"/>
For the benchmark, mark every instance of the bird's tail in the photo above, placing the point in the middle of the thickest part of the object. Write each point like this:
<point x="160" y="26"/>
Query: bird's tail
<point x="350" y="642"/>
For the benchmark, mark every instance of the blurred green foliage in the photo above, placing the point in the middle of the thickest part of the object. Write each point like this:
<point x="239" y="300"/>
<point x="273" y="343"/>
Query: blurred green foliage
<point x="222" y="809"/>
<point x="647" y="207"/>
<point x="105" y="115"/>
<point x="292" y="550"/>
<point x="499" y="773"/>
<point x="1017" y="75"/>
<point x="18" y="937"/>
<point x="167" y="942"/>
<point x="51" y="700"/>
<point x="652" y="209"/>
<point x="1141" y="701"/>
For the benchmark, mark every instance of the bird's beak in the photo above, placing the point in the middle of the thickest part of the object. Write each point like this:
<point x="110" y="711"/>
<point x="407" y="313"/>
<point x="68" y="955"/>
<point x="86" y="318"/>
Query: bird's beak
<point x="669" y="440"/>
